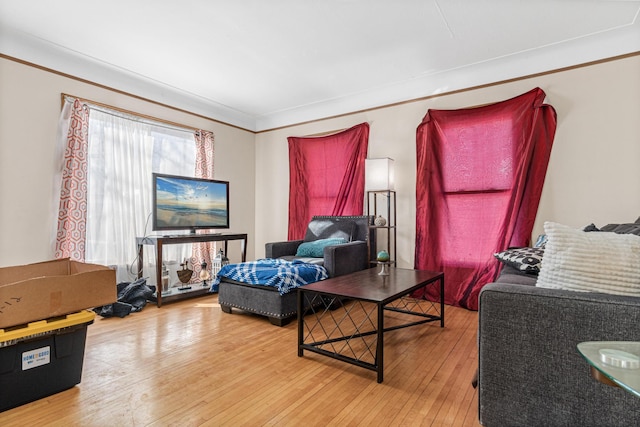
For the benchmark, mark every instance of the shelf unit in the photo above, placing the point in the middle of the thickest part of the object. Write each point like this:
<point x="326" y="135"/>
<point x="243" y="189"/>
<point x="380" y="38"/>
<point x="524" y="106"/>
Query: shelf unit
<point x="378" y="206"/>
<point x="159" y="241"/>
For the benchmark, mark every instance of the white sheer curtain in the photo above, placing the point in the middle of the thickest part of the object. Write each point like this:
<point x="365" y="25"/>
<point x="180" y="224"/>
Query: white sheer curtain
<point x="123" y="153"/>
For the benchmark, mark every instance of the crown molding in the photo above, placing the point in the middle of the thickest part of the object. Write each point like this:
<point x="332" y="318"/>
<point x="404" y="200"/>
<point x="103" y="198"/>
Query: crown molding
<point x="617" y="42"/>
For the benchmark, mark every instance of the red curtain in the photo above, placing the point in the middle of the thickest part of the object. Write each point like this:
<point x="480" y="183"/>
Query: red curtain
<point x="326" y="176"/>
<point x="480" y="173"/>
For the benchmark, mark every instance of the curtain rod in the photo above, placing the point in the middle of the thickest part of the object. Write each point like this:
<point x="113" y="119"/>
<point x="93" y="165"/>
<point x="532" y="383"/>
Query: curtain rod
<point x="142" y="117"/>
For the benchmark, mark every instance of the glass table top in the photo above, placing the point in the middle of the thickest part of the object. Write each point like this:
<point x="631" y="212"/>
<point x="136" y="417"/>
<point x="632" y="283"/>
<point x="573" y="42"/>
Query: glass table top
<point x="619" y="361"/>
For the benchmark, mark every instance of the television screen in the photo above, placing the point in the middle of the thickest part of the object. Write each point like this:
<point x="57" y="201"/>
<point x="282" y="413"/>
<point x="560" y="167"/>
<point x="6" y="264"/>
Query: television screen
<point x="184" y="203"/>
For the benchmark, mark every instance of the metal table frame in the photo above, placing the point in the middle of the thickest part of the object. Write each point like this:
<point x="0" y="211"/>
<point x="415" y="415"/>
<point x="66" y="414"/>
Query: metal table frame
<point x="365" y="286"/>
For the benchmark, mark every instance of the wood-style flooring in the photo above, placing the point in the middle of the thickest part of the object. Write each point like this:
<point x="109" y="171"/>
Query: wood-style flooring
<point x="189" y="364"/>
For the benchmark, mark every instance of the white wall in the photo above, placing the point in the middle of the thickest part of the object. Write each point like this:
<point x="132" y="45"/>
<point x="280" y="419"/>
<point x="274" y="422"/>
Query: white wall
<point x="593" y="173"/>
<point x="30" y="104"/>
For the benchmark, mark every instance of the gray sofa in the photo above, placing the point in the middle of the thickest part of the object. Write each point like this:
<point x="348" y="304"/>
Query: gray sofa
<point x="530" y="372"/>
<point x="337" y="259"/>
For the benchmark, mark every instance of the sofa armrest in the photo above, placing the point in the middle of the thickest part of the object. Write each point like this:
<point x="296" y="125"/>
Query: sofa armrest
<point x="346" y="258"/>
<point x="530" y="371"/>
<point x="280" y="249"/>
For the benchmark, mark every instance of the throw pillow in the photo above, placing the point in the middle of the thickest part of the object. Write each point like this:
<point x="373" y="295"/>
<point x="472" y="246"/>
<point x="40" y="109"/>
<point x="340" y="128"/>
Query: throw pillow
<point x="592" y="262"/>
<point x="540" y="241"/>
<point x="315" y="249"/>
<point x="622" y="228"/>
<point x="329" y="228"/>
<point x="522" y="259"/>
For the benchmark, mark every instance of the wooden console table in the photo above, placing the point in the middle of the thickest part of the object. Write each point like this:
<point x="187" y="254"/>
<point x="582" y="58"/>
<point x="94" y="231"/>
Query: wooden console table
<point x="160" y="241"/>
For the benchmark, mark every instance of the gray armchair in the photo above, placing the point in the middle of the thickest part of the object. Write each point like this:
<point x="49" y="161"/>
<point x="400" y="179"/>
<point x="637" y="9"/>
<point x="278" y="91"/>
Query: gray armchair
<point x="337" y="259"/>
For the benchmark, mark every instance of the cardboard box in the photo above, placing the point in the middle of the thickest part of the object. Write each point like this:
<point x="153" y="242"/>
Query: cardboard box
<point x="53" y="288"/>
<point x="42" y="358"/>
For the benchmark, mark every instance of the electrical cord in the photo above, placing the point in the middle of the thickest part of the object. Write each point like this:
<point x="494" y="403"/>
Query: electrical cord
<point x="136" y="260"/>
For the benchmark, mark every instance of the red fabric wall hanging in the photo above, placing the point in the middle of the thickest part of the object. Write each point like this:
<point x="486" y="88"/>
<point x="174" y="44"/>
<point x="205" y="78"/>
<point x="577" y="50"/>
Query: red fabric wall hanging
<point x="326" y="176"/>
<point x="480" y="173"/>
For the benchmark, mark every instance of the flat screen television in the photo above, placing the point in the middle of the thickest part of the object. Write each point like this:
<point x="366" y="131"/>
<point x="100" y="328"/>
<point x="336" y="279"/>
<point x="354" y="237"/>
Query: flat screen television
<point x="185" y="203"/>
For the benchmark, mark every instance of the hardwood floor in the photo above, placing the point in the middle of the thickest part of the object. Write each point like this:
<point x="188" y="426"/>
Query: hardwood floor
<point x="189" y="364"/>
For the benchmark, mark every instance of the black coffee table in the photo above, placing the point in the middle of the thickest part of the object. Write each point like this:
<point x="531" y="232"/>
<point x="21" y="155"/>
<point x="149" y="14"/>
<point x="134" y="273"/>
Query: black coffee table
<point x="349" y="325"/>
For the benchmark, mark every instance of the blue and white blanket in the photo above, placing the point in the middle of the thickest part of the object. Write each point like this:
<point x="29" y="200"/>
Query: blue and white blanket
<point x="281" y="274"/>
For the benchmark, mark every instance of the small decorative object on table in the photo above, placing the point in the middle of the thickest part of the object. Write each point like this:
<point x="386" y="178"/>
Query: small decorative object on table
<point x="221" y="259"/>
<point x="204" y="274"/>
<point x="216" y="264"/>
<point x="383" y="260"/>
<point x="165" y="278"/>
<point x="379" y="221"/>
<point x="185" y="275"/>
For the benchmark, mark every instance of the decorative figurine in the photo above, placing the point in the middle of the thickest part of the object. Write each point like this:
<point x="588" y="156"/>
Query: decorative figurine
<point x="383" y="256"/>
<point x="204" y="274"/>
<point x="383" y="260"/>
<point x="379" y="221"/>
<point x="221" y="258"/>
<point x="185" y="275"/>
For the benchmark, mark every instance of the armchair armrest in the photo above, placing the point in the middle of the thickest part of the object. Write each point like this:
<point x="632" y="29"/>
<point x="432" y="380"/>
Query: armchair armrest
<point x="279" y="249"/>
<point x="346" y="258"/>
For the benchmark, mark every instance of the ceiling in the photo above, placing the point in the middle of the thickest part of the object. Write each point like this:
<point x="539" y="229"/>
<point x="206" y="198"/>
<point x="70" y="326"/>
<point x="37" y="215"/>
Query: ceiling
<point x="260" y="64"/>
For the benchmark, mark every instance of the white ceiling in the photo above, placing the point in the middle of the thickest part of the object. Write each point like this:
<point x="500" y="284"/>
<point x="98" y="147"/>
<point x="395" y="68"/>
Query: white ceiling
<point x="262" y="64"/>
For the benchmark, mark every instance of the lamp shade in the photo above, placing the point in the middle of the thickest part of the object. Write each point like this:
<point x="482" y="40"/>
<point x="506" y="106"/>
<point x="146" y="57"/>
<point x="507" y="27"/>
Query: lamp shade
<point x="378" y="174"/>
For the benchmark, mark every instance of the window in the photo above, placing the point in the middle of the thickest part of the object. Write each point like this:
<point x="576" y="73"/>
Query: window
<point x="104" y="209"/>
<point x="123" y="153"/>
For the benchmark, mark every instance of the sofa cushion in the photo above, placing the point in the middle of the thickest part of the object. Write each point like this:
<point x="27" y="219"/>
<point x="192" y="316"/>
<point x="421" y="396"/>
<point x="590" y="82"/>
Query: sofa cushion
<point x="329" y="228"/>
<point x="512" y="276"/>
<point x="622" y="228"/>
<point x="597" y="262"/>
<point x="523" y="259"/>
<point x="315" y="248"/>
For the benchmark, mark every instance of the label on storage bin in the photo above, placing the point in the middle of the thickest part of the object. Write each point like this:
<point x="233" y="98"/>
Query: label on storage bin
<point x="34" y="358"/>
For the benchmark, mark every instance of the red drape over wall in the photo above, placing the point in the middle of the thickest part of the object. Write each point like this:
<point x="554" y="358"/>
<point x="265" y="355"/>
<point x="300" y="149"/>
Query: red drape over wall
<point x="326" y="176"/>
<point x="480" y="173"/>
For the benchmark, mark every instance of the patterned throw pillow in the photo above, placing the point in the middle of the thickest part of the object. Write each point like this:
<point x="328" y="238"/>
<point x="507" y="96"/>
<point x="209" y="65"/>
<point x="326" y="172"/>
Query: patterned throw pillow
<point x="527" y="260"/>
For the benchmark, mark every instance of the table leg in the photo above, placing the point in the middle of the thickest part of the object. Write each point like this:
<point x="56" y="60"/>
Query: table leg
<point x="300" y="322"/>
<point x="380" y="344"/>
<point x="159" y="274"/>
<point x="442" y="301"/>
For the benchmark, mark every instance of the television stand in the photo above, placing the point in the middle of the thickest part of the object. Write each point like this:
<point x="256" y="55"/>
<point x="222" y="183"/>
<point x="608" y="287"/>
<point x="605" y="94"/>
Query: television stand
<point x="159" y="241"/>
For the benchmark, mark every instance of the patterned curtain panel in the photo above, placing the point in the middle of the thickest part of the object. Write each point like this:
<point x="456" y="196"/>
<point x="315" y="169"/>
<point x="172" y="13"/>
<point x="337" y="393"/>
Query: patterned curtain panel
<point x="203" y="252"/>
<point x="72" y="213"/>
<point x="106" y="184"/>
<point x="326" y="176"/>
<point x="480" y="173"/>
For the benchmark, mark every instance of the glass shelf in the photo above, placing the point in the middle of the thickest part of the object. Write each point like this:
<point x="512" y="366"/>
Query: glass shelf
<point x="618" y="361"/>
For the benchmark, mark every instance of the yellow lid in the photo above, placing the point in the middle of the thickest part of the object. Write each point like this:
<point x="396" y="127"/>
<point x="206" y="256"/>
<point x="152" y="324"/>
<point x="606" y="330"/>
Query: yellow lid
<point x="41" y="327"/>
